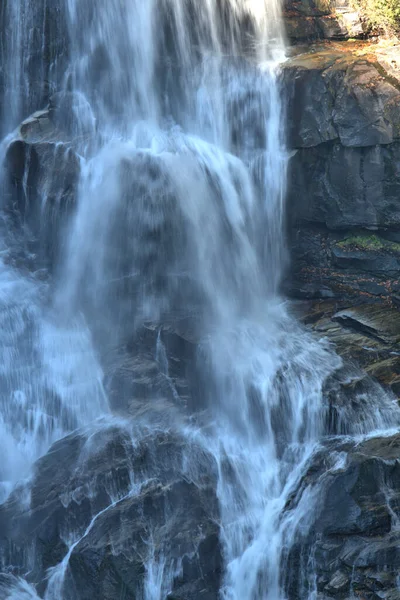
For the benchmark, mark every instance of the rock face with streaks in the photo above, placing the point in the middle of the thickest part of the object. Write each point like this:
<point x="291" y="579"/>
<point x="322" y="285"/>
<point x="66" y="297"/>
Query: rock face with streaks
<point x="106" y="496"/>
<point x="354" y="537"/>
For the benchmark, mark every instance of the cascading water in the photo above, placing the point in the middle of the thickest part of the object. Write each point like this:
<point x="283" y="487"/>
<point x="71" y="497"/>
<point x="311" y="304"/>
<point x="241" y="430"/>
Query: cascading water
<point x="174" y="109"/>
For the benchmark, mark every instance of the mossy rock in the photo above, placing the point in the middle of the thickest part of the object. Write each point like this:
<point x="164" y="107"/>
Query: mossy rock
<point x="368" y="243"/>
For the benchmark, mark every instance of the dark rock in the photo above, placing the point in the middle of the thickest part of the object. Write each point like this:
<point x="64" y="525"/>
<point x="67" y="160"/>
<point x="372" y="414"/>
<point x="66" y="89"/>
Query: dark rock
<point x="43" y="174"/>
<point x="160" y="361"/>
<point x="43" y="52"/>
<point x="366" y="337"/>
<point x="114" y="554"/>
<point x="128" y="505"/>
<point x="359" y="100"/>
<point x="354" y="540"/>
<point x="383" y="324"/>
<point x="363" y="266"/>
<point x="310" y="8"/>
<point x="345" y="174"/>
<point x="346" y="188"/>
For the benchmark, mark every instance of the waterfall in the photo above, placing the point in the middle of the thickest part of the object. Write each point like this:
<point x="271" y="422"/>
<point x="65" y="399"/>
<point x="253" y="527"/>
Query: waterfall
<point x="174" y="110"/>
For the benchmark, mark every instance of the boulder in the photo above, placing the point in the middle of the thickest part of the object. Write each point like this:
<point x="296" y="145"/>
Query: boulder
<point x="354" y="538"/>
<point x="123" y="502"/>
<point x="337" y="93"/>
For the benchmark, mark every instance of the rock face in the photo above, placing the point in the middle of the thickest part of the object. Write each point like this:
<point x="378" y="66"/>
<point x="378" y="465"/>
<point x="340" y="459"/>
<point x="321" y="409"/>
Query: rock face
<point x="344" y="230"/>
<point x="117" y="494"/>
<point x="307" y="20"/>
<point x="41" y="185"/>
<point x="344" y="180"/>
<point x="42" y="56"/>
<point x="354" y="537"/>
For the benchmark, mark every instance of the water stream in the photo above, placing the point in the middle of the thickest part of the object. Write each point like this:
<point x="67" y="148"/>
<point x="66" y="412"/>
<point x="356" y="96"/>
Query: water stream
<point x="175" y="111"/>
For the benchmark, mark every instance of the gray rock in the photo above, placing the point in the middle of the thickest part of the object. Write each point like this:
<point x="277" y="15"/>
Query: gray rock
<point x="41" y="185"/>
<point x="354" y="541"/>
<point x="346" y="188"/>
<point x="355" y="100"/>
<point x="84" y="486"/>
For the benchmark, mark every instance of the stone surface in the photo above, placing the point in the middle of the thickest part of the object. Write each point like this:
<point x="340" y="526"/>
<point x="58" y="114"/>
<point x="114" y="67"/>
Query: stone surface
<point x="356" y="267"/>
<point x="44" y="56"/>
<point x="118" y="496"/>
<point x="344" y="172"/>
<point x="365" y="335"/>
<point x="343" y="94"/>
<point x="354" y="537"/>
<point x="308" y="20"/>
<point x="42" y="180"/>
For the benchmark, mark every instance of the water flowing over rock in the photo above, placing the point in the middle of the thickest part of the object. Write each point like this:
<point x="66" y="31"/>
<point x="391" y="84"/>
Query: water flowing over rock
<point x="170" y="429"/>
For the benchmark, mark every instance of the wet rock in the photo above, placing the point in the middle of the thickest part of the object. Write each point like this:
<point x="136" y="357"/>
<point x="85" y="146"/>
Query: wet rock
<point x="383" y="324"/>
<point x="71" y="114"/>
<point x="118" y="549"/>
<point x="124" y="497"/>
<point x="158" y="365"/>
<point x="339" y="582"/>
<point x="37" y="127"/>
<point x="354" y="539"/>
<point x="43" y="54"/>
<point x="43" y="174"/>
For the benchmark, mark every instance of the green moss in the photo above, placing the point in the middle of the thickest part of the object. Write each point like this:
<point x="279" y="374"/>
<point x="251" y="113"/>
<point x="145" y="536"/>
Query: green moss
<point x="368" y="242"/>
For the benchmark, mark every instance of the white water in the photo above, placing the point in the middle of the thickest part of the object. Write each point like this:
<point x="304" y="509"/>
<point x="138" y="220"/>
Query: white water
<point x="179" y="213"/>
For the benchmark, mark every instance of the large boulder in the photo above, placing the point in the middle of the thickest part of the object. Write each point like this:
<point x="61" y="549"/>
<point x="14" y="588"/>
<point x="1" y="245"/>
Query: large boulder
<point x="339" y="94"/>
<point x="353" y="536"/>
<point x="122" y="500"/>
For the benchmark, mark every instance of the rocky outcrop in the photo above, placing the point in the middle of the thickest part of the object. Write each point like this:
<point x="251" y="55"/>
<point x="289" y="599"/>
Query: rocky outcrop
<point x="117" y="495"/>
<point x="344" y="182"/>
<point x="307" y="20"/>
<point x="366" y="336"/>
<point x="41" y="185"/>
<point x="353" y="538"/>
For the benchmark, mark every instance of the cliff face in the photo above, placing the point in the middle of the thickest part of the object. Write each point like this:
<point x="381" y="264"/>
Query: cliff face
<point x="307" y="20"/>
<point x="343" y="106"/>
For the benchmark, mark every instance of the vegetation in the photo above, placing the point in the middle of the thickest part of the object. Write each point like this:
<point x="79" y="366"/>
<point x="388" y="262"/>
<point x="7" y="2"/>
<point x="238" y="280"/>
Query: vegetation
<point x="368" y="242"/>
<point x="383" y="14"/>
